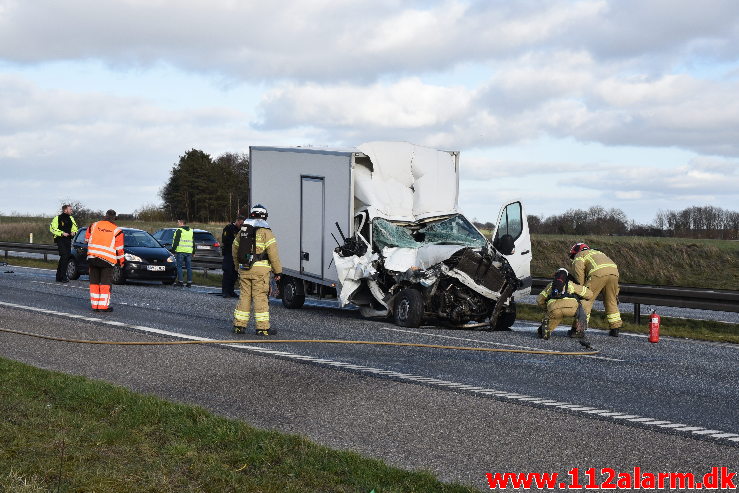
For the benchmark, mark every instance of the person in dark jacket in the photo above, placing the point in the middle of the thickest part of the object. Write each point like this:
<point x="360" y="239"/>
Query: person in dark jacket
<point x="63" y="227"/>
<point x="229" y="272"/>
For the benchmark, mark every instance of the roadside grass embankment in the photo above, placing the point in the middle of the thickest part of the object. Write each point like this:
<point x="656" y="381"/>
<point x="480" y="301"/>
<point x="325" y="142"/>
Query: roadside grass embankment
<point x="684" y="262"/>
<point x="69" y="433"/>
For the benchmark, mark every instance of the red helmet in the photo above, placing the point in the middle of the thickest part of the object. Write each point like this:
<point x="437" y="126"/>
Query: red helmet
<point x="577" y="248"/>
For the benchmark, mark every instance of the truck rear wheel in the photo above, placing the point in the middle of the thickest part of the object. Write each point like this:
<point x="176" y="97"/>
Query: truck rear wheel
<point x="408" y="310"/>
<point x="293" y="292"/>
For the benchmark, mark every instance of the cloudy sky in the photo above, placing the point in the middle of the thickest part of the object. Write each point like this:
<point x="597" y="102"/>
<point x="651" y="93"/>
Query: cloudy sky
<point x="632" y="104"/>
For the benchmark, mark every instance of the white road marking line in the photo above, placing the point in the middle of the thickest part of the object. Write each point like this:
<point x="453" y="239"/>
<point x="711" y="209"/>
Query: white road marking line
<point x="696" y="430"/>
<point x="66" y="285"/>
<point x="478" y="341"/>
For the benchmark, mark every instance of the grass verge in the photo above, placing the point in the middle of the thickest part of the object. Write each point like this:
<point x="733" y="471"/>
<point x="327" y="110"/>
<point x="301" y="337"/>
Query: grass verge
<point x="704" y="330"/>
<point x="68" y="433"/>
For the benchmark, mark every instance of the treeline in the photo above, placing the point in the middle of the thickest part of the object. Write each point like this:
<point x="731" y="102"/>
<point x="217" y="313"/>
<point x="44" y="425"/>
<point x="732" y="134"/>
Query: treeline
<point x="203" y="189"/>
<point x="693" y="222"/>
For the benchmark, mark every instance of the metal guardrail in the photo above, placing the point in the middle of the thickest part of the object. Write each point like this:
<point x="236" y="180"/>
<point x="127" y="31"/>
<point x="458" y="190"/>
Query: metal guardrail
<point x="638" y="294"/>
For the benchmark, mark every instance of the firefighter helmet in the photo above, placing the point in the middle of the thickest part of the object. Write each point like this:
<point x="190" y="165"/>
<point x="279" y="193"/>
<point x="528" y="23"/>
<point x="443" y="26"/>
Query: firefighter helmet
<point x="577" y="248"/>
<point x="258" y="212"/>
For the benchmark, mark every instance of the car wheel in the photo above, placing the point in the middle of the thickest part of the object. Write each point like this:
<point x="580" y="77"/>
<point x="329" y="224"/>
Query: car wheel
<point x="118" y="276"/>
<point x="293" y="293"/>
<point x="72" y="272"/>
<point x="507" y="318"/>
<point x="408" y="311"/>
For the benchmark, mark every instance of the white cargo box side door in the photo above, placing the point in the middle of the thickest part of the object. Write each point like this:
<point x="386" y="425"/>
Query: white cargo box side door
<point x="512" y="221"/>
<point x="306" y="192"/>
<point x="312" y="226"/>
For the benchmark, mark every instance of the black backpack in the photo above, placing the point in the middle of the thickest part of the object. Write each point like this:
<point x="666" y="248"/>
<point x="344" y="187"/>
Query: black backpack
<point x="559" y="286"/>
<point x="247" y="252"/>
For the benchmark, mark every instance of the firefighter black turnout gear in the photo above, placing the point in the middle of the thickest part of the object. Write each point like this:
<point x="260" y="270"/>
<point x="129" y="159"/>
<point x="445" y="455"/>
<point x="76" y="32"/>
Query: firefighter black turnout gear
<point x="595" y="270"/>
<point x="254" y="277"/>
<point x="561" y="299"/>
<point x="229" y="272"/>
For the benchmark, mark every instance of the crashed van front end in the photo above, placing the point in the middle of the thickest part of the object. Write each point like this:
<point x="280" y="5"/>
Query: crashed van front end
<point x="438" y="268"/>
<point x="412" y="254"/>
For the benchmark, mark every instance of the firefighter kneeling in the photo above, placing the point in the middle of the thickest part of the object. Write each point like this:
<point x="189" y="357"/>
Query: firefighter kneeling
<point x="562" y="299"/>
<point x="255" y="255"/>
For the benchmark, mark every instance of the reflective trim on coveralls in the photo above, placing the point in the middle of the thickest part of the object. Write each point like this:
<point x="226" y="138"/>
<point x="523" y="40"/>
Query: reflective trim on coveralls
<point x="594" y="266"/>
<point x="241" y="316"/>
<point x="105" y="244"/>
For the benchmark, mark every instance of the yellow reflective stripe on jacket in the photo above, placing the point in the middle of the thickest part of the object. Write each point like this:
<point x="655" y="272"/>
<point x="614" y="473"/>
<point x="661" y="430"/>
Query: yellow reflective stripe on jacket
<point x="264" y="245"/>
<point x="594" y="266"/>
<point x="261" y="263"/>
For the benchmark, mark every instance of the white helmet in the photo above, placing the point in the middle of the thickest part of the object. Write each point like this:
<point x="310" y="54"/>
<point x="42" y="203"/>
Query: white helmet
<point x="258" y="212"/>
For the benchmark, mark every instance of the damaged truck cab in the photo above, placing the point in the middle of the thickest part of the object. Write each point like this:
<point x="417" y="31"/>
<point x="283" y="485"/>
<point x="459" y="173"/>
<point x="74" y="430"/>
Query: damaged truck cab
<point x="381" y="225"/>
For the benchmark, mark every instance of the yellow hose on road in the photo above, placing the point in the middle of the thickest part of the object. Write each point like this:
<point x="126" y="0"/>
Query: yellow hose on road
<point x="315" y="341"/>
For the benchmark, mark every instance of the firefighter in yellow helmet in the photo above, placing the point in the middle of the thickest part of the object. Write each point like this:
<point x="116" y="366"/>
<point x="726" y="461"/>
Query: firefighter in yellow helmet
<point x="599" y="273"/>
<point x="255" y="256"/>
<point x="561" y="298"/>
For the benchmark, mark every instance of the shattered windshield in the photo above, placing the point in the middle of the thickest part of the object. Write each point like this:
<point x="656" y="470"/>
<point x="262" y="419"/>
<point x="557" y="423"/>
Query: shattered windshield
<point x="455" y="230"/>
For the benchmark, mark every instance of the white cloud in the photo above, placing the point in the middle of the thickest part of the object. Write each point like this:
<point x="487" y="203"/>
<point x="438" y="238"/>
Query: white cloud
<point x="622" y="73"/>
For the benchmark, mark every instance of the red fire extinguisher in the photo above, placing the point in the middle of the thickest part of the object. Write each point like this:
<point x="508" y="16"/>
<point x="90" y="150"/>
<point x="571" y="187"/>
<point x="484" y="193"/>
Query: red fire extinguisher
<point x="654" y="327"/>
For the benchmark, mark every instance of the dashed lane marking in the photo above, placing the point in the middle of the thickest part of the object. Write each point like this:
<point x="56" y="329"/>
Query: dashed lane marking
<point x="645" y="422"/>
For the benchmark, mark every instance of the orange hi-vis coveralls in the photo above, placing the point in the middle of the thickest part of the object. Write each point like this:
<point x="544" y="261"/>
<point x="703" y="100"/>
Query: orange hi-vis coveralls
<point x="254" y="282"/>
<point x="599" y="273"/>
<point x="104" y="250"/>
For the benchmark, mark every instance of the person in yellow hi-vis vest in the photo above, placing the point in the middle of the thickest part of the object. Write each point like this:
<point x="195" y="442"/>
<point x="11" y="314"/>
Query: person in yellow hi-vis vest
<point x="599" y="273"/>
<point x="561" y="298"/>
<point x="255" y="256"/>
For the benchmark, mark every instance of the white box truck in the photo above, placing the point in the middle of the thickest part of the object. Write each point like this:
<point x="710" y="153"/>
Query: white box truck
<point x="379" y="226"/>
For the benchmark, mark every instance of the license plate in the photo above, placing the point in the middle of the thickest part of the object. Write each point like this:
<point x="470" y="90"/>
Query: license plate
<point x="155" y="267"/>
<point x="203" y="247"/>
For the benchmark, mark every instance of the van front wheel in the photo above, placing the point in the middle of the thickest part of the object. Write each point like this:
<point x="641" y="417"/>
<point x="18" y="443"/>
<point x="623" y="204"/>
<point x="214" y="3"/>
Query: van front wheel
<point x="408" y="310"/>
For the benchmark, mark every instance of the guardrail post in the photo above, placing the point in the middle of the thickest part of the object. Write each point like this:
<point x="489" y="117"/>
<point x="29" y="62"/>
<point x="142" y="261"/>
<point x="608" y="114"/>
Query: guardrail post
<point x="637" y="313"/>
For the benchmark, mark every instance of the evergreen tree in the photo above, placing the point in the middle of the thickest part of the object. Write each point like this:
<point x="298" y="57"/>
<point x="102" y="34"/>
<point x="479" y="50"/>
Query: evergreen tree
<point x="206" y="190"/>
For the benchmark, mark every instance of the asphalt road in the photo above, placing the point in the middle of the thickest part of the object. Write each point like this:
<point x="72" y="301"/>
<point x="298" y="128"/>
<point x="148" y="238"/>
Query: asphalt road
<point x="670" y="406"/>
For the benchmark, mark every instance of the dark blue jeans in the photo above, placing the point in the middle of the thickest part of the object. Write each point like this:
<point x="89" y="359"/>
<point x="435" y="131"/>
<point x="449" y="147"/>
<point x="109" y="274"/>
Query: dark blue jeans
<point x="185" y="258"/>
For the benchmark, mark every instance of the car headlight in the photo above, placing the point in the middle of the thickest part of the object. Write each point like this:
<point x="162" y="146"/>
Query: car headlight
<point x="132" y="258"/>
<point x="171" y="258"/>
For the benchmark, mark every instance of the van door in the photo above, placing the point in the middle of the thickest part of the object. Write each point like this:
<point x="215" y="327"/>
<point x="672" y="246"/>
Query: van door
<point x="513" y="226"/>
<point x="312" y="204"/>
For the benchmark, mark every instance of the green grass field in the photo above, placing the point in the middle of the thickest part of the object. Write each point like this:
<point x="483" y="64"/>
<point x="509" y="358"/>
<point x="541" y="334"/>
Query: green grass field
<point x="66" y="433"/>
<point x="656" y="261"/>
